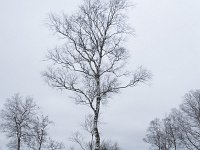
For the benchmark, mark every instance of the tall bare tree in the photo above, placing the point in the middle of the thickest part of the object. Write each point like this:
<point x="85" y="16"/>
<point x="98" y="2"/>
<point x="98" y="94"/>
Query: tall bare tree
<point x="91" y="62"/>
<point x="16" y="117"/>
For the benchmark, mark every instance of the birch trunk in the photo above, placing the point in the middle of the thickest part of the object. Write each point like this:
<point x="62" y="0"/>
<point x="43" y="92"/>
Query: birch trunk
<point x="96" y="115"/>
<point x="96" y="132"/>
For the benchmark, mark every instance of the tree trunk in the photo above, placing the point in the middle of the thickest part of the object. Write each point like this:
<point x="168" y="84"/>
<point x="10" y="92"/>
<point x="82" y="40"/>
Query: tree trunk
<point x="18" y="143"/>
<point x="41" y="141"/>
<point x="174" y="145"/>
<point x="40" y="147"/>
<point x="96" y="132"/>
<point x="96" y="115"/>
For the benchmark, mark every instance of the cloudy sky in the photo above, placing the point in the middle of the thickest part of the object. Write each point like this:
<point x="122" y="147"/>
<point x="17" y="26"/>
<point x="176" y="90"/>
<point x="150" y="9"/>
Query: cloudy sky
<point x="166" y="41"/>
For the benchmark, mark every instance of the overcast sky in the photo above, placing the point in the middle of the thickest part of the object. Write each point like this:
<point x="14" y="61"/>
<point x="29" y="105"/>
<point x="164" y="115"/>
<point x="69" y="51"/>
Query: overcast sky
<point x="166" y="41"/>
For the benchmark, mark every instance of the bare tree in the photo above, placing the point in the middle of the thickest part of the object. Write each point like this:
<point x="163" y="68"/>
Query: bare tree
<point x="173" y="130"/>
<point x="181" y="128"/>
<point x="16" y="117"/>
<point x="190" y="123"/>
<point x="91" y="62"/>
<point x="154" y="134"/>
<point x="25" y="126"/>
<point x="37" y="136"/>
<point x="160" y="134"/>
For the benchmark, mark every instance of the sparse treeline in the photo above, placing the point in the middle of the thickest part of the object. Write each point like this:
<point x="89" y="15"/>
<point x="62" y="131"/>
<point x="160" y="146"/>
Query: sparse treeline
<point x="25" y="126"/>
<point x="180" y="129"/>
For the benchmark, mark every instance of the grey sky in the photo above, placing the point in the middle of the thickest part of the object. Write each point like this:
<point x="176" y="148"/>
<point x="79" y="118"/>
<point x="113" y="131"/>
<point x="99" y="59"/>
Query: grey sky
<point x="166" y="42"/>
